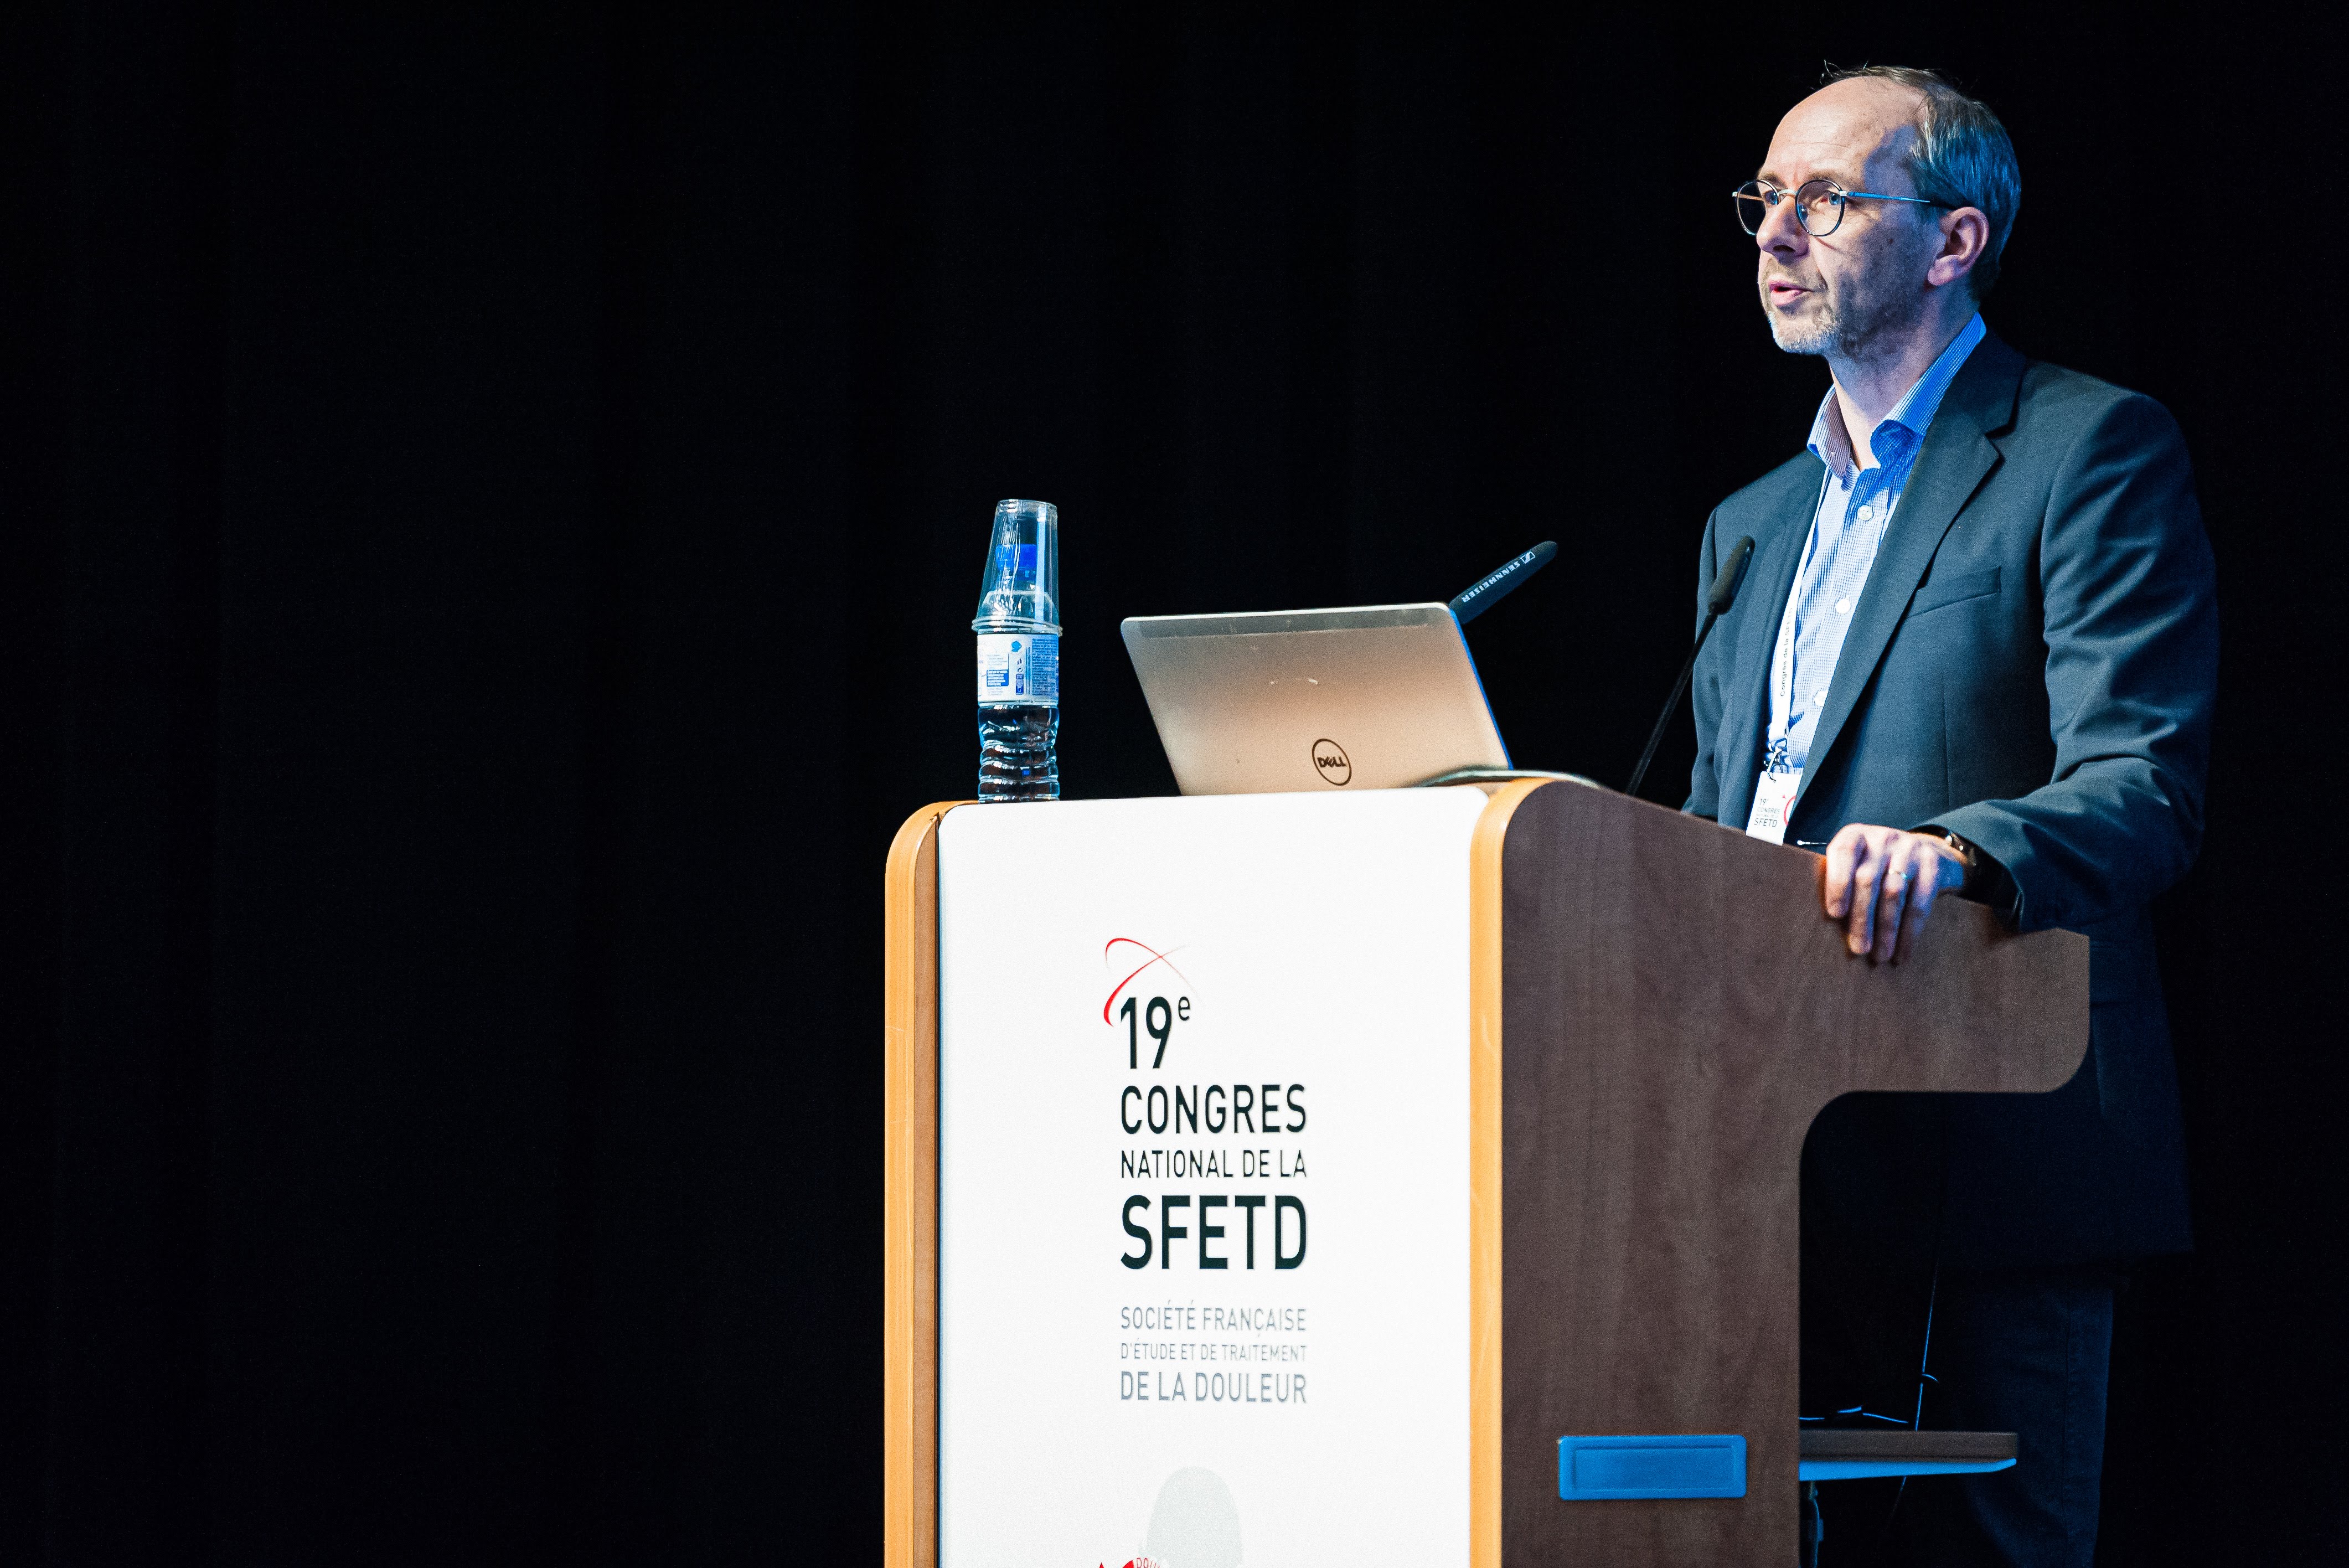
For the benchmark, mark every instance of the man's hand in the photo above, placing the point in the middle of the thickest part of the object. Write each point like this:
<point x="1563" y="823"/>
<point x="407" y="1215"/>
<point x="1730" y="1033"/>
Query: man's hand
<point x="1882" y="883"/>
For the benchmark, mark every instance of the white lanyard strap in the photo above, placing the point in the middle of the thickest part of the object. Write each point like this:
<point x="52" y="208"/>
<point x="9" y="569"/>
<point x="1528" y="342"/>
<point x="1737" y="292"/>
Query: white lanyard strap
<point x="1782" y="660"/>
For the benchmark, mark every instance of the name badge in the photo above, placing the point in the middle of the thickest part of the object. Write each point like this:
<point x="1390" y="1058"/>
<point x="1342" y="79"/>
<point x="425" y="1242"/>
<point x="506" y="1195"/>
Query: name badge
<point x="1774" y="798"/>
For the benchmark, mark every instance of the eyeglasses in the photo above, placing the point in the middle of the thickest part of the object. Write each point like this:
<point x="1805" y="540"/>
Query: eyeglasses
<point x="1818" y="205"/>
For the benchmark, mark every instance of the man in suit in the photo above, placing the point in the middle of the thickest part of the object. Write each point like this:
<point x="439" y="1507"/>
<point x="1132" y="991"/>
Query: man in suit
<point x="1975" y="655"/>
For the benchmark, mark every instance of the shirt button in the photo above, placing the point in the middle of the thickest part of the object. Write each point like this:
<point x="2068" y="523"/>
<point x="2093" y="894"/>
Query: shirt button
<point x="1819" y="698"/>
<point x="1868" y="513"/>
<point x="1843" y="606"/>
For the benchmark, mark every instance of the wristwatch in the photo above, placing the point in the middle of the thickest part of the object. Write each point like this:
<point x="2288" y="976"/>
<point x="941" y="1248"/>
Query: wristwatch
<point x="1973" y="859"/>
<point x="1987" y="879"/>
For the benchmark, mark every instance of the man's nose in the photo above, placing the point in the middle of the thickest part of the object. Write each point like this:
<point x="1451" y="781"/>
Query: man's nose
<point x="1782" y="234"/>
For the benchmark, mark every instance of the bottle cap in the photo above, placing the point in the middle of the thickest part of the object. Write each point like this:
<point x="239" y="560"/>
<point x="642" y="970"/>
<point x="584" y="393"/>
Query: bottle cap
<point x="1019" y="587"/>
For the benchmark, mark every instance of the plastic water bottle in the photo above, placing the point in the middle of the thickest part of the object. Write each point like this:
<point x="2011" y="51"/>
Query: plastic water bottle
<point x="1019" y="628"/>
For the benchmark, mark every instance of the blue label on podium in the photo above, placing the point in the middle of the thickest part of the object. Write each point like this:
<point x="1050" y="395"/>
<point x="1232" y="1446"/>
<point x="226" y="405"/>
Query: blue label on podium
<point x="1623" y="1467"/>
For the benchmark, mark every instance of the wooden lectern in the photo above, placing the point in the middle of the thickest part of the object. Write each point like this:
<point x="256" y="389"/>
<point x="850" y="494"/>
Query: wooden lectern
<point x="1655" y="1012"/>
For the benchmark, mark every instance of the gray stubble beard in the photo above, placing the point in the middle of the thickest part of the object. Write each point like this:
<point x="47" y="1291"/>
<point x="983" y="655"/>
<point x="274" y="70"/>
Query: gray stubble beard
<point x="1839" y="332"/>
<point x="1818" y="336"/>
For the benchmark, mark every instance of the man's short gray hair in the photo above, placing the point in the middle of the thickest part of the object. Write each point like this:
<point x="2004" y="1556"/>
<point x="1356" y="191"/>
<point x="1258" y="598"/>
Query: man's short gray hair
<point x="1962" y="156"/>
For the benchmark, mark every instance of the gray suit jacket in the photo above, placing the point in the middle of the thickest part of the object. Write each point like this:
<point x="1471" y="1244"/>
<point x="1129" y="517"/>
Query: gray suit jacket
<point x="2032" y="665"/>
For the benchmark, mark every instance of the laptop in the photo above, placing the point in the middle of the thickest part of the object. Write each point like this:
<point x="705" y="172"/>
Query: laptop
<point x="1375" y="697"/>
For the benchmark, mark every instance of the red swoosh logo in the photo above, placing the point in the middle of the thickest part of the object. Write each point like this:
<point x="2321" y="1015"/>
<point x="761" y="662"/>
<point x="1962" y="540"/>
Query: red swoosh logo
<point x="1155" y="958"/>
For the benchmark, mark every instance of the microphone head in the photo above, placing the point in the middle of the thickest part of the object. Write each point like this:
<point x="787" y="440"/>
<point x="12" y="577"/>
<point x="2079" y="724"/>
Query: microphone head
<point x="1733" y="577"/>
<point x="1488" y="590"/>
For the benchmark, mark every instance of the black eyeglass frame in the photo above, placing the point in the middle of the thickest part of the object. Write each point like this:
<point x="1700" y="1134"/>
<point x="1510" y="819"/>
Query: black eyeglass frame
<point x="1756" y="190"/>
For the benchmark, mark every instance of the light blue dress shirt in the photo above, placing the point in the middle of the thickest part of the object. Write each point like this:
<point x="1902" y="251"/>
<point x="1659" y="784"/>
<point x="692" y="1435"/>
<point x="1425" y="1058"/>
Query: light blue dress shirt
<point x="1855" y="507"/>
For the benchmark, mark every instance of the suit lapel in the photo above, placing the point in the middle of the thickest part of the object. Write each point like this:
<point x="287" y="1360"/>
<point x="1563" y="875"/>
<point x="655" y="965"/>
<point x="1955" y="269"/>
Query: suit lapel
<point x="1958" y="455"/>
<point x="1745" y="711"/>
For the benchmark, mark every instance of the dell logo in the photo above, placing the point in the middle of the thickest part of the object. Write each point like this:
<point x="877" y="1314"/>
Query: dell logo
<point x="1330" y="761"/>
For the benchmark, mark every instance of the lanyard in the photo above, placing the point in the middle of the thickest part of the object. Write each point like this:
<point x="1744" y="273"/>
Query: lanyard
<point x="1782" y="658"/>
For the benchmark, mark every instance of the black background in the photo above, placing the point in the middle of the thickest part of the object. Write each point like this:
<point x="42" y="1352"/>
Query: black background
<point x="494" y="509"/>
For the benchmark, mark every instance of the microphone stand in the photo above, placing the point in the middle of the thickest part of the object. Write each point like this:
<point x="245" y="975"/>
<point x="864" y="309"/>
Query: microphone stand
<point x="1717" y="603"/>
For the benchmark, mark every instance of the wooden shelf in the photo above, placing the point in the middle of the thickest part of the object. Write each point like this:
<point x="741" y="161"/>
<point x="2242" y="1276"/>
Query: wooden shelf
<point x="1853" y="1453"/>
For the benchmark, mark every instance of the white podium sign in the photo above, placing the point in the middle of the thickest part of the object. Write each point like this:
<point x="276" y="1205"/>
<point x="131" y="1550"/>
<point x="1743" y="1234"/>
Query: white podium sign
<point x="1203" y="1216"/>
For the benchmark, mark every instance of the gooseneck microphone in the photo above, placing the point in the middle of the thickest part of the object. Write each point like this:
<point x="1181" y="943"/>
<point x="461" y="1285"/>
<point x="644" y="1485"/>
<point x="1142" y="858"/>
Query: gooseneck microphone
<point x="1716" y="605"/>
<point x="1488" y="590"/>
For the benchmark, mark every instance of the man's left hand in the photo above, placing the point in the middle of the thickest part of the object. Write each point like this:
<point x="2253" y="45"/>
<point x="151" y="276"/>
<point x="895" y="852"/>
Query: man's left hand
<point x="1881" y="882"/>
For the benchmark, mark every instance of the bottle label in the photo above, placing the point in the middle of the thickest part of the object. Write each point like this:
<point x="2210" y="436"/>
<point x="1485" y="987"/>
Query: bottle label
<point x="1020" y="666"/>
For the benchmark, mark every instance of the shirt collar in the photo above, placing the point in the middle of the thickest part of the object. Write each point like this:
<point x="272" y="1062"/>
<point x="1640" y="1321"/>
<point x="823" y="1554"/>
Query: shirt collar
<point x="1832" y="444"/>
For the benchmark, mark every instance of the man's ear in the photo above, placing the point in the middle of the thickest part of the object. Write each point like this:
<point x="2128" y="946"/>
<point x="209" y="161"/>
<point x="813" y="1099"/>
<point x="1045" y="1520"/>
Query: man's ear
<point x="1965" y="234"/>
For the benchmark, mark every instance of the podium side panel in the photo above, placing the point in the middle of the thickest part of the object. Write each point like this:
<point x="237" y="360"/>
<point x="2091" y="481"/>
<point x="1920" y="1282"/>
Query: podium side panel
<point x="1676" y="1012"/>
<point x="909" y="1390"/>
<point x="1648" y="1207"/>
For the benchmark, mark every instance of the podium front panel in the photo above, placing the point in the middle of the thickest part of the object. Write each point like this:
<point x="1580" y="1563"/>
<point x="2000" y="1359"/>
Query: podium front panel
<point x="1203" y="1233"/>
